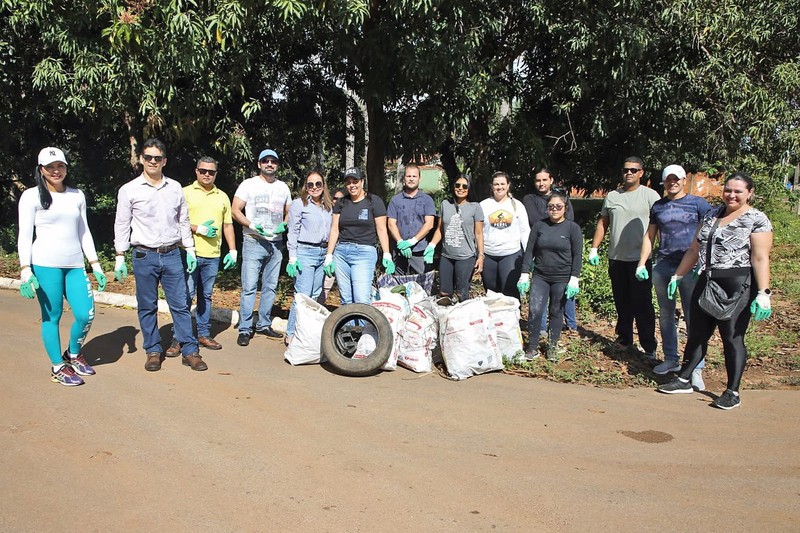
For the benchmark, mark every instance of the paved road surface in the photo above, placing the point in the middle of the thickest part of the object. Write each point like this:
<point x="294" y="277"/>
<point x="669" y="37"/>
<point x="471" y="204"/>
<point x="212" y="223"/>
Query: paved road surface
<point x="257" y="445"/>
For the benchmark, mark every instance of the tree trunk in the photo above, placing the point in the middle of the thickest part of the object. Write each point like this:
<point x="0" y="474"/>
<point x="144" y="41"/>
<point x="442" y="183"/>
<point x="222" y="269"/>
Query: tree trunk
<point x="481" y="173"/>
<point x="376" y="146"/>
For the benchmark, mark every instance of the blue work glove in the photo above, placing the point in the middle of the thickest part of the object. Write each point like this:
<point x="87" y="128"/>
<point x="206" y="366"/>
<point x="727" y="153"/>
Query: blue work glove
<point x="572" y="288"/>
<point x="191" y="261"/>
<point x="761" y="308"/>
<point x="294" y="267"/>
<point x="258" y="228"/>
<point x="229" y="261"/>
<point x="207" y="229"/>
<point x="120" y="268"/>
<point x="281" y="228"/>
<point x="427" y="256"/>
<point x="524" y="284"/>
<point x="29" y="283"/>
<point x="328" y="266"/>
<point x="101" y="278"/>
<point x="388" y="264"/>
<point x="594" y="259"/>
<point x="672" y="288"/>
<point x="641" y="273"/>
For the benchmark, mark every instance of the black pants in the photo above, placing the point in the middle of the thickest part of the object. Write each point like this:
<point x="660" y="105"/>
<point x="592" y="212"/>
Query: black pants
<point x="633" y="300"/>
<point x="732" y="331"/>
<point x="501" y="273"/>
<point x="456" y="272"/>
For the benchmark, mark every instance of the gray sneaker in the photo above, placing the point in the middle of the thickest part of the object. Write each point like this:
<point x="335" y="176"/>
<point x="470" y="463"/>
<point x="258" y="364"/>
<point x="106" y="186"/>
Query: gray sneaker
<point x="666" y="367"/>
<point x="728" y="400"/>
<point x="676" y="386"/>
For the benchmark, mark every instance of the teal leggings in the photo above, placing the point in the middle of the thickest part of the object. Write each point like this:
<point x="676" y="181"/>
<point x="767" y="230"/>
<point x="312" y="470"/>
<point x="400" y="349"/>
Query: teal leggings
<point x="54" y="285"/>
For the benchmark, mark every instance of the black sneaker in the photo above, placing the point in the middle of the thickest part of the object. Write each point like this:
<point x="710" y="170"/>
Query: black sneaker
<point x="244" y="339"/>
<point x="676" y="386"/>
<point x="728" y="400"/>
<point x="269" y="333"/>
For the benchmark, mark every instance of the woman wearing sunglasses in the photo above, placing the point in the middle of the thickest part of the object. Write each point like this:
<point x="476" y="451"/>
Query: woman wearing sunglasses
<point x="460" y="231"/>
<point x="52" y="263"/>
<point x="553" y="255"/>
<point x="307" y="241"/>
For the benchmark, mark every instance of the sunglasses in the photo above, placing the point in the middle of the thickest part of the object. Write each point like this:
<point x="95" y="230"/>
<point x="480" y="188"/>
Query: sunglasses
<point x="555" y="207"/>
<point x="464" y="186"/>
<point x="337" y="198"/>
<point x="156" y="158"/>
<point x="313" y="185"/>
<point x="270" y="160"/>
<point x="208" y="171"/>
<point x="631" y="170"/>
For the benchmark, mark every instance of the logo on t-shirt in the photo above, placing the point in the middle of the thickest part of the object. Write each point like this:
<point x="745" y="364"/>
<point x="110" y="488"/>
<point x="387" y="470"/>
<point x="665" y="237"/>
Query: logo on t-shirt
<point x="501" y="219"/>
<point x="363" y="214"/>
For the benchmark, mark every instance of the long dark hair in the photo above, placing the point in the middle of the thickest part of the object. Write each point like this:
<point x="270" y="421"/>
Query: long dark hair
<point x="45" y="198"/>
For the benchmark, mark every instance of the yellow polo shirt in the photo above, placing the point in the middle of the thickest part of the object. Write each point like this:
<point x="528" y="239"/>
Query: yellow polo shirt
<point x="207" y="205"/>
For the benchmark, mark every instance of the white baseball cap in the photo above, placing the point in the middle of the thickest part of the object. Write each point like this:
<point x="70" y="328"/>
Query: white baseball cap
<point x="673" y="170"/>
<point x="50" y="155"/>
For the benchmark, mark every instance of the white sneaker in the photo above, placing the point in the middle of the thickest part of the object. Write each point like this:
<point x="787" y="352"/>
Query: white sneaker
<point x="697" y="380"/>
<point x="666" y="367"/>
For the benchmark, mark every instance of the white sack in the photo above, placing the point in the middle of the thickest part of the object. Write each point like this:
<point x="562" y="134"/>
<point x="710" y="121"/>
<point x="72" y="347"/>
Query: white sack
<point x="418" y="337"/>
<point x="469" y="340"/>
<point x="306" y="345"/>
<point x="505" y="313"/>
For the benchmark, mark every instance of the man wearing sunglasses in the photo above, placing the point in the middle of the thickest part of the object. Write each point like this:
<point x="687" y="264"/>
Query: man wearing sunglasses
<point x="410" y="218"/>
<point x="261" y="206"/>
<point x="625" y="215"/>
<point x="209" y="210"/>
<point x="153" y="219"/>
<point x="536" y="205"/>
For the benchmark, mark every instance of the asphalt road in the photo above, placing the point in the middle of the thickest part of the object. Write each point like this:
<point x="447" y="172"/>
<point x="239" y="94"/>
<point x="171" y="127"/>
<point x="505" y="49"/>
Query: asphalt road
<point x="254" y="444"/>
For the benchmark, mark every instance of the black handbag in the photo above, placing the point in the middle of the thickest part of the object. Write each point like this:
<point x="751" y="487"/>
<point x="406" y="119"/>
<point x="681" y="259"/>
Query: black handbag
<point x="714" y="300"/>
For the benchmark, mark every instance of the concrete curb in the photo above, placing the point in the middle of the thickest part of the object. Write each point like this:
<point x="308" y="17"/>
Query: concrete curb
<point x="225" y="316"/>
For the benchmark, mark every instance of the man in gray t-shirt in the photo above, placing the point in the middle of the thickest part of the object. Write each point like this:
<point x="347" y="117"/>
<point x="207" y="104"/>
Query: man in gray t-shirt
<point x="625" y="216"/>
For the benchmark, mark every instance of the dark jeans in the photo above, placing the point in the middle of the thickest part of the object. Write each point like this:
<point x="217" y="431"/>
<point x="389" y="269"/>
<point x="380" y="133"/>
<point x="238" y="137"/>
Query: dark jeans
<point x="501" y="273"/>
<point x="458" y="271"/>
<point x="731" y="331"/>
<point x="633" y="300"/>
<point x="149" y="269"/>
<point x="541" y="292"/>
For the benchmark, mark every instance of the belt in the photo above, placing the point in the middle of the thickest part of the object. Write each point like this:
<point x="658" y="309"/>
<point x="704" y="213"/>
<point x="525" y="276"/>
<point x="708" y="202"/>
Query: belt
<point x="160" y="249"/>
<point x="314" y="244"/>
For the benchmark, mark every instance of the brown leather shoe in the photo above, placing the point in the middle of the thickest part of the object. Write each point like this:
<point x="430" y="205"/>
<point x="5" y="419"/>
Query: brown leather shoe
<point x="174" y="349"/>
<point x="153" y="363"/>
<point x="208" y="342"/>
<point x="195" y="361"/>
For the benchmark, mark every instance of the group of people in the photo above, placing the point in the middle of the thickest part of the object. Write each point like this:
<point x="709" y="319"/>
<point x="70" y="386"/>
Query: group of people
<point x="531" y="247"/>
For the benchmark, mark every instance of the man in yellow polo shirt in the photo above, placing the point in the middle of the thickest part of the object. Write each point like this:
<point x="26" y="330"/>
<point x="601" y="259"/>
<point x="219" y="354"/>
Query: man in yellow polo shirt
<point x="209" y="209"/>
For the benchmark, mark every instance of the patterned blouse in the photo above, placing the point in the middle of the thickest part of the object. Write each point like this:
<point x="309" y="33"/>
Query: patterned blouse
<point x="731" y="246"/>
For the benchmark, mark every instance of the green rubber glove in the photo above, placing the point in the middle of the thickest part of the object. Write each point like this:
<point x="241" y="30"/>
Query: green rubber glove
<point x="524" y="284"/>
<point x="388" y="264"/>
<point x="191" y="261"/>
<point x="29" y="283"/>
<point x="229" y="261"/>
<point x="406" y="244"/>
<point x="207" y="229"/>
<point x="761" y="307"/>
<point x="328" y="266"/>
<point x="406" y="253"/>
<point x="594" y="259"/>
<point x="120" y="268"/>
<point x="101" y="280"/>
<point x="281" y="228"/>
<point x="427" y="256"/>
<point x="572" y="289"/>
<point x="695" y="273"/>
<point x="641" y="273"/>
<point x="672" y="288"/>
<point x="293" y="268"/>
<point x="258" y="228"/>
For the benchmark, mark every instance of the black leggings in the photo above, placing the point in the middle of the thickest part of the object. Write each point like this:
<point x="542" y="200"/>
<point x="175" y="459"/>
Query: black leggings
<point x="732" y="331"/>
<point x="501" y="273"/>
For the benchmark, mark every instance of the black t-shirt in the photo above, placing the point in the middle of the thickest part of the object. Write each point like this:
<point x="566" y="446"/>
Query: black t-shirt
<point x="557" y="250"/>
<point x="357" y="219"/>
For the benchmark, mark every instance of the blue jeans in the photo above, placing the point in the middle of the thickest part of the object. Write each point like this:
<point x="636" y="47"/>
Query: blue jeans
<point x="355" y="269"/>
<point x="259" y="257"/>
<point x="569" y="316"/>
<point x="310" y="279"/>
<point x="150" y="269"/>
<point x="662" y="273"/>
<point x="203" y="279"/>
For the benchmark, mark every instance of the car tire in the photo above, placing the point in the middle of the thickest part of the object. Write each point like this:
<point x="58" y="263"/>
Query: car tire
<point x="339" y="349"/>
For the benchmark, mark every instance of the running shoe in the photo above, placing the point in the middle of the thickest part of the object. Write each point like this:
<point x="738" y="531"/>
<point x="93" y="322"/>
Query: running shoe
<point x="79" y="365"/>
<point x="728" y="400"/>
<point x="66" y="376"/>
<point x="676" y="386"/>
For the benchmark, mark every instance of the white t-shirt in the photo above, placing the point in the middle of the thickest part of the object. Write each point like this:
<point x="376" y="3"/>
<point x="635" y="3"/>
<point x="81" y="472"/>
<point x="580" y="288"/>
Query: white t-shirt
<point x="264" y="204"/>
<point x="505" y="226"/>
<point x="62" y="233"/>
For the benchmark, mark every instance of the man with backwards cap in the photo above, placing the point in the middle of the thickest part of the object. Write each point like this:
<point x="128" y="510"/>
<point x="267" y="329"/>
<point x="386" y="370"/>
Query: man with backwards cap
<point x="674" y="219"/>
<point x="261" y="205"/>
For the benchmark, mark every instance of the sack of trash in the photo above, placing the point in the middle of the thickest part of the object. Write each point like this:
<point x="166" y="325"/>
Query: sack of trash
<point x="505" y="313"/>
<point x="306" y="345"/>
<point x="394" y="306"/>
<point x="469" y="339"/>
<point x="418" y="337"/>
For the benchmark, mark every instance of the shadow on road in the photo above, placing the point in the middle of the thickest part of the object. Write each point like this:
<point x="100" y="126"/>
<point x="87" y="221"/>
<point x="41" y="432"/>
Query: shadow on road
<point x="108" y="348"/>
